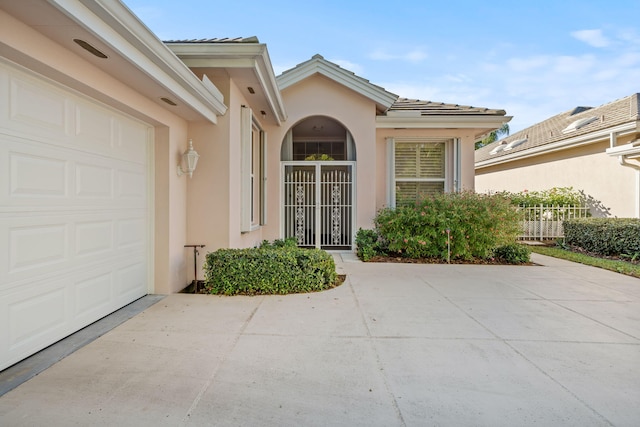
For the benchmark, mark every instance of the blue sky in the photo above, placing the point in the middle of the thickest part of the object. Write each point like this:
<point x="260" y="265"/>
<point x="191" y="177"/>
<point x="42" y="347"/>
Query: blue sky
<point x="534" y="59"/>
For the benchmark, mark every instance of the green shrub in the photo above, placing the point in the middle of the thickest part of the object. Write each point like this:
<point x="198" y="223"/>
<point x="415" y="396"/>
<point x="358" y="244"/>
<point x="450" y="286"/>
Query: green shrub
<point x="289" y="242"/>
<point x="368" y="244"/>
<point x="557" y="196"/>
<point x="513" y="253"/>
<point x="604" y="236"/>
<point x="268" y="270"/>
<point x="476" y="224"/>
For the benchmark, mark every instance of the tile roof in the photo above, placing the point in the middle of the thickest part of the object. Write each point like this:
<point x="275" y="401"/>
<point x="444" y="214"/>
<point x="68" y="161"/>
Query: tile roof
<point x="252" y="39"/>
<point x="614" y="113"/>
<point x="429" y="108"/>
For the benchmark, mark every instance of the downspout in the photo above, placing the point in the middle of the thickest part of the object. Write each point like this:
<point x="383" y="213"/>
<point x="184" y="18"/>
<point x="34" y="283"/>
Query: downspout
<point x="622" y="160"/>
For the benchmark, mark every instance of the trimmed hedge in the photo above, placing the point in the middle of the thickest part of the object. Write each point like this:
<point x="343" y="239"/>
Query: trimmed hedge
<point x="268" y="270"/>
<point x="604" y="236"/>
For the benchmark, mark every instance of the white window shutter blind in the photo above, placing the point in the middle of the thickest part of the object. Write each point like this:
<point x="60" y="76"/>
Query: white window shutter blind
<point x="419" y="169"/>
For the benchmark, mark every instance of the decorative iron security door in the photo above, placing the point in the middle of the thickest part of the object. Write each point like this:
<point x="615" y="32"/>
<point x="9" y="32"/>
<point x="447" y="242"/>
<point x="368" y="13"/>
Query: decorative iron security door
<point x="318" y="203"/>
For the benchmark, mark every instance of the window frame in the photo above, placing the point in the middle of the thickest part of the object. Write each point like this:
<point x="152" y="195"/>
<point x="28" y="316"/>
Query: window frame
<point x="448" y="145"/>
<point x="253" y="172"/>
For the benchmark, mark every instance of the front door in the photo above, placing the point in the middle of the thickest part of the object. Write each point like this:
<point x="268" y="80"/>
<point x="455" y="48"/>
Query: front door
<point x="318" y="203"/>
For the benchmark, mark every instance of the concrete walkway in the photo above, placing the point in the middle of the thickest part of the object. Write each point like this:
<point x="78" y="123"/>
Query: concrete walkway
<point x="395" y="345"/>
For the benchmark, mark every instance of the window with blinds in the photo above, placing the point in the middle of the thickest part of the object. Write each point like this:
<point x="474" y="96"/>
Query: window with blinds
<point x="419" y="170"/>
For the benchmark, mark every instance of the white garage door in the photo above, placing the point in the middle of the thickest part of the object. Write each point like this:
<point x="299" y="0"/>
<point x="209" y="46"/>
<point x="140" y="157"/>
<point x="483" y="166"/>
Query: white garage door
<point x="74" y="216"/>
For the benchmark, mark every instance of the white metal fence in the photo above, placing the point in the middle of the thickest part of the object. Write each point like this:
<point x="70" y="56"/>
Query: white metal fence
<point x="544" y="222"/>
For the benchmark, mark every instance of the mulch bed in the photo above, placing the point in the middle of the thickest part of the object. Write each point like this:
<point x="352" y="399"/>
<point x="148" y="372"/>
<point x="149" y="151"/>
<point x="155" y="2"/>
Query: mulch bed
<point x="475" y="261"/>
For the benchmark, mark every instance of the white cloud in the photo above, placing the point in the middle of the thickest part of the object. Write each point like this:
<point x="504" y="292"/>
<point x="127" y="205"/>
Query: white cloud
<point x="348" y="65"/>
<point x="415" y="55"/>
<point x="521" y="65"/>
<point x="593" y="38"/>
<point x="573" y="64"/>
<point x="629" y="59"/>
<point x="629" y="35"/>
<point x="457" y="78"/>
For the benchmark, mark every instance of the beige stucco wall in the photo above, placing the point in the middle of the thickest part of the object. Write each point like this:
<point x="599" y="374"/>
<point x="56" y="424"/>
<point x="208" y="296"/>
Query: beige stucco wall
<point x="585" y="168"/>
<point x="29" y="48"/>
<point x="214" y="192"/>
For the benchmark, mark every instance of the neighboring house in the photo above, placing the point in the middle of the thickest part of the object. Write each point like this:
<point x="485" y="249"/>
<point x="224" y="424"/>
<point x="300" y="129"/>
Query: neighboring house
<point x="95" y="114"/>
<point x="593" y="150"/>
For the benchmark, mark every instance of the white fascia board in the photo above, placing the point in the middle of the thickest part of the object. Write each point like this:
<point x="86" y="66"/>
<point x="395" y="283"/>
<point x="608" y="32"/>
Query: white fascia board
<point x="115" y="25"/>
<point x="630" y="149"/>
<point x="274" y="99"/>
<point x="564" y="144"/>
<point x="339" y="75"/>
<point x="236" y="55"/>
<point x="434" y="122"/>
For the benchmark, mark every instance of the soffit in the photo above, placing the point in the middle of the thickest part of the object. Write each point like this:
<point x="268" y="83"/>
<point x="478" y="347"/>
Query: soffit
<point x="245" y="61"/>
<point x="134" y="55"/>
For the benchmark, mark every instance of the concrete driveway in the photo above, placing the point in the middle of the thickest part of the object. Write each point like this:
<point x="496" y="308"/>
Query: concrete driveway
<point x="396" y="345"/>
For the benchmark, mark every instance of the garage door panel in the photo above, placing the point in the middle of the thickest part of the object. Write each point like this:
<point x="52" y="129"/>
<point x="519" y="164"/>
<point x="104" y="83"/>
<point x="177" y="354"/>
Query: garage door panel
<point x="93" y="296"/>
<point x="55" y="243"/>
<point x="37" y="176"/>
<point x="94" y="128"/>
<point x="32" y="314"/>
<point x="74" y="219"/>
<point x="131" y="186"/>
<point x="36" y="315"/>
<point x="131" y="280"/>
<point x="130" y="232"/>
<point x="94" y="238"/>
<point x="41" y="309"/>
<point x="52" y="115"/>
<point x="127" y="133"/>
<point x="36" y="110"/>
<point x="34" y="173"/>
<point x="37" y="246"/>
<point x="94" y="181"/>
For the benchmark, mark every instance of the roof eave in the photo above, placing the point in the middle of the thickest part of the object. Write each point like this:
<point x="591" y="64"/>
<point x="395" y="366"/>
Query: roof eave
<point x="236" y="55"/>
<point x="588" y="138"/>
<point x="442" y="121"/>
<point x="119" y="28"/>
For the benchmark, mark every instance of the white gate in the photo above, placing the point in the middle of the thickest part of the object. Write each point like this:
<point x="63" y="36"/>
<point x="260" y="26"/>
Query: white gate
<point x="318" y="203"/>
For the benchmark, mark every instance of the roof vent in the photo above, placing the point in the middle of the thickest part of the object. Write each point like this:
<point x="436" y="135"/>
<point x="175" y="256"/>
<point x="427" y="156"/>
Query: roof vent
<point x="579" y="124"/>
<point x="515" y="143"/>
<point x="500" y="147"/>
<point x="168" y="101"/>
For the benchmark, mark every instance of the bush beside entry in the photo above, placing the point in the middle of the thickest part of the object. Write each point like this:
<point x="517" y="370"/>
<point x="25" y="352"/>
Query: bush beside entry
<point x="271" y="269"/>
<point x="461" y="226"/>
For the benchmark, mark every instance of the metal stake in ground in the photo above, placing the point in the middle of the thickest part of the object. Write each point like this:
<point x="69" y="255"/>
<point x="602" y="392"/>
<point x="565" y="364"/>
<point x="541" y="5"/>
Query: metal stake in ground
<point x="195" y="265"/>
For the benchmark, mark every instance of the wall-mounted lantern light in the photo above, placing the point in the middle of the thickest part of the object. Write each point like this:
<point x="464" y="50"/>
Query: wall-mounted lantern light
<point x="189" y="160"/>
